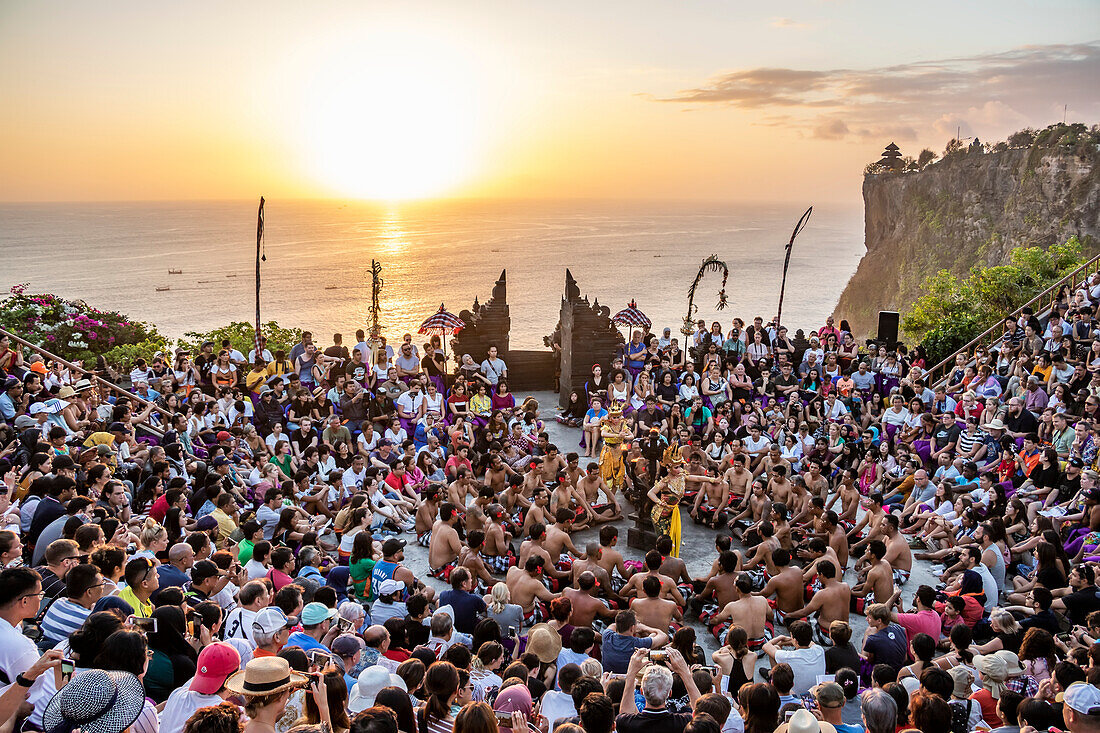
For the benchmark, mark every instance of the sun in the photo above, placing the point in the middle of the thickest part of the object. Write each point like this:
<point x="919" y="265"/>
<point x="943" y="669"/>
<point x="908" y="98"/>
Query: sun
<point x="392" y="116"/>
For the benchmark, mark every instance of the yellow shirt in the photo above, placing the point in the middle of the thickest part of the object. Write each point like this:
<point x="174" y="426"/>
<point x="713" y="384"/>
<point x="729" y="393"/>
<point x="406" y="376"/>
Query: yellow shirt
<point x="100" y="438"/>
<point x="142" y="609"/>
<point x="254" y="379"/>
<point x="226" y="525"/>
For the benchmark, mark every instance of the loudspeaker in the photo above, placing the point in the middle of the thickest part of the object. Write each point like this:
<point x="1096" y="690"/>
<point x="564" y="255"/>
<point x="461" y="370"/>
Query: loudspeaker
<point x="888" y="329"/>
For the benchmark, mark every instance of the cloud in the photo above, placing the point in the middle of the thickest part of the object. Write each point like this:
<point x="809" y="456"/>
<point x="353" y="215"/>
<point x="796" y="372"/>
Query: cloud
<point x="788" y="23"/>
<point x="999" y="91"/>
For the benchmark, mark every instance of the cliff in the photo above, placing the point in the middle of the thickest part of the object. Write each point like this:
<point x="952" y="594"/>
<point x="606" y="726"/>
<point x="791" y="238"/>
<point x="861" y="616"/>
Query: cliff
<point x="970" y="208"/>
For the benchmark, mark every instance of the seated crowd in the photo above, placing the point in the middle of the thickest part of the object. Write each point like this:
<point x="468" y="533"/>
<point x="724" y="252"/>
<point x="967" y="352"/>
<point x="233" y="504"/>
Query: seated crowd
<point x="224" y="547"/>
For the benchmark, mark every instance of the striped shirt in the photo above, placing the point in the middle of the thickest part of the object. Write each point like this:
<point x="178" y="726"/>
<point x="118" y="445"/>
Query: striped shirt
<point x="63" y="618"/>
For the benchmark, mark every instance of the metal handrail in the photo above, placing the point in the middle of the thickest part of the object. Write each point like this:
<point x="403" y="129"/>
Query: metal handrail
<point x="1045" y="301"/>
<point x="92" y="376"/>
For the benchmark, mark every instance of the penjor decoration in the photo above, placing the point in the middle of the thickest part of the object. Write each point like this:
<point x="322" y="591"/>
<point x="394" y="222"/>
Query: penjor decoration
<point x="711" y="263"/>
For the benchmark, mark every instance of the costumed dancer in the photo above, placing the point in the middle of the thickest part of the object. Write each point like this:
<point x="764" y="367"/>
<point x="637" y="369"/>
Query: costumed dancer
<point x="666" y="495"/>
<point x="615" y="433"/>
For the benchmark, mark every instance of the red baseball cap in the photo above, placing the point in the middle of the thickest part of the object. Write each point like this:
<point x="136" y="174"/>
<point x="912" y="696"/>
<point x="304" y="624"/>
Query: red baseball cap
<point x="222" y="436"/>
<point x="215" y="663"/>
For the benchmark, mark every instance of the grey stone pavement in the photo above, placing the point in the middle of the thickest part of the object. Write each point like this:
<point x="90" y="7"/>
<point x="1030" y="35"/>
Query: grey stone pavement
<point x="696" y="548"/>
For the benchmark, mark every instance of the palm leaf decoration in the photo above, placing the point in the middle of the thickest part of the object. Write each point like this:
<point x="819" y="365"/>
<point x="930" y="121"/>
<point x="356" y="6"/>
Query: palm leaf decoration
<point x="710" y="264"/>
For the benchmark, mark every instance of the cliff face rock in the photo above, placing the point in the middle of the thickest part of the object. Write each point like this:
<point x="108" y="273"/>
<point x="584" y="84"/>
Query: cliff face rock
<point x="972" y="208"/>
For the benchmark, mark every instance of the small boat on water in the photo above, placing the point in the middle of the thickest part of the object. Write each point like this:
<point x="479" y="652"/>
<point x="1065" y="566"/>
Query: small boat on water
<point x="332" y="287"/>
<point x="203" y="282"/>
<point x="232" y="274"/>
<point x="175" y="272"/>
<point x="161" y="290"/>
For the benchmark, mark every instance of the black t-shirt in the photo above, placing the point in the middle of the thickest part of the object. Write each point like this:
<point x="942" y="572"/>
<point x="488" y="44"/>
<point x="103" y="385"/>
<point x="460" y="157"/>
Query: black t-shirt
<point x="1045" y="478"/>
<point x="1080" y="604"/>
<point x="1011" y="642"/>
<point x="1068" y="487"/>
<point x="840" y="657"/>
<point x="652" y="721"/>
<point x="1050" y="578"/>
<point x="945" y="435"/>
<point x="416" y="632"/>
<point x="431" y="367"/>
<point x="667" y="392"/>
<point x="783" y="381"/>
<point x="301" y="439"/>
<point x="649" y="419"/>
<point x="1025" y="422"/>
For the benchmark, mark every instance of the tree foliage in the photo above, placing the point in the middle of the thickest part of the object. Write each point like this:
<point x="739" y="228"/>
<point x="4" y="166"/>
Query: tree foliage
<point x="954" y="310"/>
<point x="242" y="336"/>
<point x="925" y="157"/>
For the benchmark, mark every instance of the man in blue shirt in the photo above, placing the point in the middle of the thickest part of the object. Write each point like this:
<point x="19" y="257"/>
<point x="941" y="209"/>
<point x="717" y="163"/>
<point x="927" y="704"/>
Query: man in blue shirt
<point x="467" y="606"/>
<point x="318" y="630"/>
<point x="620" y="641"/>
<point x="181" y="557"/>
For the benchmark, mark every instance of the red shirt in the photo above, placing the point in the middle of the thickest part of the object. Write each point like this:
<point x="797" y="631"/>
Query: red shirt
<point x="160" y="508"/>
<point x="989" y="707"/>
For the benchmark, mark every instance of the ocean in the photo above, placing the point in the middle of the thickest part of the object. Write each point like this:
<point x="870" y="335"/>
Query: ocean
<point x="317" y="273"/>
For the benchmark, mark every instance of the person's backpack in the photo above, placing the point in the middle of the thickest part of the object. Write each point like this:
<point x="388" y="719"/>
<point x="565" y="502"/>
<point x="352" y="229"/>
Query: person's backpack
<point x="960" y="715"/>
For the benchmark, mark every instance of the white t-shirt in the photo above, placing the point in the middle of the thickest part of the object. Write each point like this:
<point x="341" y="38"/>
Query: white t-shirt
<point x="408" y="403"/>
<point x="353" y="480"/>
<point x="557" y="705"/>
<point x="807" y="664"/>
<point x="181" y="705"/>
<point x="256" y="570"/>
<point x="238" y="624"/>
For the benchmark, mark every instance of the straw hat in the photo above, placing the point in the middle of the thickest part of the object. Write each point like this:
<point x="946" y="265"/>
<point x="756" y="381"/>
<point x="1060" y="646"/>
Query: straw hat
<point x="544" y="641"/>
<point x="803" y="721"/>
<point x="265" y="676"/>
<point x="96" y="702"/>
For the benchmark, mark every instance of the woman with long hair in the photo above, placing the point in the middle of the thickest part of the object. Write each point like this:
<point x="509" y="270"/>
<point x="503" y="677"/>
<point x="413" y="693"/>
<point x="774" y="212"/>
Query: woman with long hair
<point x="336" y="690"/>
<point x="173" y="660"/>
<point x="734" y="660"/>
<point x="1037" y="653"/>
<point x="758" y="704"/>
<point x="441" y="683"/>
<point x="399" y="702"/>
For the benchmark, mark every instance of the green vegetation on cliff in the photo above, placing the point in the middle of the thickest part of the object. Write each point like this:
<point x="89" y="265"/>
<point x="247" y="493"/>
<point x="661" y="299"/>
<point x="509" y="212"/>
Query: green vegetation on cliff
<point x="954" y="310"/>
<point x="973" y="206"/>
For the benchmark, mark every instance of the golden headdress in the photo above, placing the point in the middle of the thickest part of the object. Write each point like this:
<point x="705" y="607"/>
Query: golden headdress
<point x="615" y="408"/>
<point x="674" y="456"/>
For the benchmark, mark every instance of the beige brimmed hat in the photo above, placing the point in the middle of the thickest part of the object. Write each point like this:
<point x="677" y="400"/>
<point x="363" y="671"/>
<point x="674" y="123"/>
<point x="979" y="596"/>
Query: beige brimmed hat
<point x="265" y="676"/>
<point x="994" y="424"/>
<point x="803" y="721"/>
<point x="544" y="642"/>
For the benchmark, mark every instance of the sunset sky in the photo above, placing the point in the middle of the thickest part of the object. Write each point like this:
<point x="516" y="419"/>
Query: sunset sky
<point x="716" y="100"/>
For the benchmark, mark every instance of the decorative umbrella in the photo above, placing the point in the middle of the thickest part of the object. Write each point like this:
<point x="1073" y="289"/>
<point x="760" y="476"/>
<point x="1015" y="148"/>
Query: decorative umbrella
<point x="442" y="323"/>
<point x="632" y="317"/>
